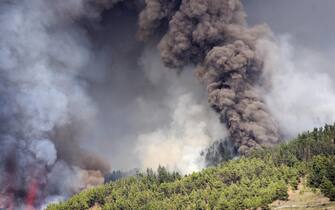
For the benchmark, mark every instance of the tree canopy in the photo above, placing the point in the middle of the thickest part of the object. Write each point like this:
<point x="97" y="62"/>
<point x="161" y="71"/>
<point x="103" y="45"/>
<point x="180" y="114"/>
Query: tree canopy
<point x="248" y="182"/>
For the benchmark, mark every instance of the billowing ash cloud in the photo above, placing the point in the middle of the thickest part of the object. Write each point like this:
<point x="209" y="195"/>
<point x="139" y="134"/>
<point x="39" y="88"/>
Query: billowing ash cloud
<point x="62" y="71"/>
<point x="87" y="85"/>
<point x="213" y="35"/>
<point x="42" y="53"/>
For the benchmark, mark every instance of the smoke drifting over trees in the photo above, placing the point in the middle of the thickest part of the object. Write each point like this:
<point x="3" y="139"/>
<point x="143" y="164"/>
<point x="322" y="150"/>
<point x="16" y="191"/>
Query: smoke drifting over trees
<point x="89" y="85"/>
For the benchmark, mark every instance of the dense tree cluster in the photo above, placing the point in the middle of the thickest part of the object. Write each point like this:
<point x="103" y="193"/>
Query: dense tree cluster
<point x="244" y="183"/>
<point x="302" y="149"/>
<point x="322" y="175"/>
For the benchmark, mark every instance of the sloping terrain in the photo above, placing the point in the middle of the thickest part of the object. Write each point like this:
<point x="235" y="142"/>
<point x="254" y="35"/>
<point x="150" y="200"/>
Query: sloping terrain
<point x="304" y="198"/>
<point x="254" y="181"/>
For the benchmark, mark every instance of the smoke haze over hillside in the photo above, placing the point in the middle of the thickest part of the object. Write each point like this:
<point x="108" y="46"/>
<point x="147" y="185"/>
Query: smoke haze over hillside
<point x="88" y="86"/>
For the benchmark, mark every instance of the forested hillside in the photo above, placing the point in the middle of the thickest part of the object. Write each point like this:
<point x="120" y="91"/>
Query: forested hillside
<point x="247" y="182"/>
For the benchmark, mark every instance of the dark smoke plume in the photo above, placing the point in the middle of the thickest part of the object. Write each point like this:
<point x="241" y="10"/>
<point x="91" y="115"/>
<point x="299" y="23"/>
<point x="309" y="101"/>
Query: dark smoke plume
<point x="212" y="35"/>
<point x="62" y="64"/>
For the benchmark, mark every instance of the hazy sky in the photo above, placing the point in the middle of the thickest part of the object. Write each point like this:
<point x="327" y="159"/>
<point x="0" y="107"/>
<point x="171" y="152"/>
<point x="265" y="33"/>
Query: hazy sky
<point x="311" y="22"/>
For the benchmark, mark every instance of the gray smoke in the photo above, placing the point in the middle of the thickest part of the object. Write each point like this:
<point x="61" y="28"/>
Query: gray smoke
<point x="299" y="65"/>
<point x="72" y="94"/>
<point x="213" y="36"/>
<point x="80" y="93"/>
<point x="42" y="53"/>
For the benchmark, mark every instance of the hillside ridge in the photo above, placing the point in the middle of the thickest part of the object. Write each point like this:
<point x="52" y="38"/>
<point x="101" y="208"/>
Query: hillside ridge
<point x="253" y="181"/>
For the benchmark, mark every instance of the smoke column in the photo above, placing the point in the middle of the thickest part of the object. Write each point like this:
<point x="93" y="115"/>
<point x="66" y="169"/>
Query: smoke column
<point x="59" y="80"/>
<point x="39" y="94"/>
<point x="90" y="85"/>
<point x="213" y="36"/>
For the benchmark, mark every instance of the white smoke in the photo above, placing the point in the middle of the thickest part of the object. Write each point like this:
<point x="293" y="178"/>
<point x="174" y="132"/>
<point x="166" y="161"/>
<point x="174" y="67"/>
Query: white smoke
<point x="192" y="126"/>
<point x="139" y="113"/>
<point x="51" y="200"/>
<point x="301" y="92"/>
<point x="42" y="52"/>
<point x="179" y="145"/>
<point x="44" y="150"/>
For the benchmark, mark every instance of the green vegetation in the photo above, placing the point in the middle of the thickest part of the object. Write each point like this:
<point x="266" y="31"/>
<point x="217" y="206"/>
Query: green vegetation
<point x="322" y="175"/>
<point x="248" y="182"/>
<point x="304" y="198"/>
